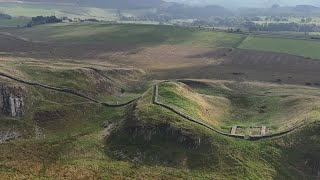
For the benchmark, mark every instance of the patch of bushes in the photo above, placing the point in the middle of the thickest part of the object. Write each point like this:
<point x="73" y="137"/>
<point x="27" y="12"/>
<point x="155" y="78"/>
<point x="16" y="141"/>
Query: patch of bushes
<point x="43" y="20"/>
<point x="4" y="16"/>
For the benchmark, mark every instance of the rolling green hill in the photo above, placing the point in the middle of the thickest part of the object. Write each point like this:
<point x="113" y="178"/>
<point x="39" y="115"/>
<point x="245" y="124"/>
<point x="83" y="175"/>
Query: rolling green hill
<point x="148" y="129"/>
<point x="127" y="34"/>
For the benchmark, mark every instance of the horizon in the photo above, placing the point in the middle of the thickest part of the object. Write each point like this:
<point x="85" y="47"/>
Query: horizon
<point x="247" y="3"/>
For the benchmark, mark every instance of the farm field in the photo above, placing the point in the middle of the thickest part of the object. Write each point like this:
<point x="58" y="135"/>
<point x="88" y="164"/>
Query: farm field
<point x="145" y="35"/>
<point x="306" y="48"/>
<point x="14" y="22"/>
<point x="129" y="34"/>
<point x="32" y="10"/>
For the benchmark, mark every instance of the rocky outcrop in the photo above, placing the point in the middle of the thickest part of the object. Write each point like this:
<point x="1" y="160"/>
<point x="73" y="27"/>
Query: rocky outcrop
<point x="11" y="101"/>
<point x="8" y="135"/>
<point x="163" y="133"/>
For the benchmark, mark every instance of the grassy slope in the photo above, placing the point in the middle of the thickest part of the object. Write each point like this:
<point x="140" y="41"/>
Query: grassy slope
<point x="210" y="111"/>
<point x="277" y="107"/>
<point x="32" y="10"/>
<point x="142" y="35"/>
<point x="218" y="157"/>
<point x="104" y="84"/>
<point x="74" y="146"/>
<point x="14" y="22"/>
<point x="306" y="48"/>
<point x="127" y="34"/>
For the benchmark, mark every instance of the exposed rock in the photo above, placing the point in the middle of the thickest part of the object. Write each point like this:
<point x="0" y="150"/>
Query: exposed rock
<point x="166" y="133"/>
<point x="8" y="135"/>
<point x="11" y="101"/>
<point x="39" y="134"/>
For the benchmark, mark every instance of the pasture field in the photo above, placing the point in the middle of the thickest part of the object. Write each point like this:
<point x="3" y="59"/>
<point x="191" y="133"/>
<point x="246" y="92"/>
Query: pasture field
<point x="145" y="35"/>
<point x="14" y="22"/>
<point x="306" y="48"/>
<point x="32" y="10"/>
<point x="129" y="34"/>
<point x="26" y="10"/>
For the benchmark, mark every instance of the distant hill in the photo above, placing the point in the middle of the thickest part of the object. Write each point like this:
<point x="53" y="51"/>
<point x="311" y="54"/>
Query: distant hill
<point x="280" y="11"/>
<point x="248" y="3"/>
<point x="127" y="4"/>
<point x="173" y="9"/>
<point x="184" y="11"/>
<point x="121" y="4"/>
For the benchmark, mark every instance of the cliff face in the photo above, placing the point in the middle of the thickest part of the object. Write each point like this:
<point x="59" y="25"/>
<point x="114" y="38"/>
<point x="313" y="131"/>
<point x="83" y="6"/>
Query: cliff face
<point x="163" y="133"/>
<point x="11" y="101"/>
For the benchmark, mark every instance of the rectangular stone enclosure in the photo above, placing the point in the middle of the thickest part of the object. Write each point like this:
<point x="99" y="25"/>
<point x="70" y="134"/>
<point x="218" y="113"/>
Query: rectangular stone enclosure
<point x="249" y="130"/>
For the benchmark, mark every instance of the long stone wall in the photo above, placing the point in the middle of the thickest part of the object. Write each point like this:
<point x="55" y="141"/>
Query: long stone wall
<point x="67" y="90"/>
<point x="156" y="102"/>
<point x="252" y="137"/>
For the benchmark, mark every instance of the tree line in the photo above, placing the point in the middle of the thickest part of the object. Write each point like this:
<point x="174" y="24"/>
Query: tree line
<point x="43" y="20"/>
<point x="295" y="27"/>
<point x="5" y="16"/>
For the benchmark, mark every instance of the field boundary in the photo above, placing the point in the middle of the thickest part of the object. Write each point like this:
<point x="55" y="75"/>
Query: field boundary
<point x="251" y="137"/>
<point x="68" y="90"/>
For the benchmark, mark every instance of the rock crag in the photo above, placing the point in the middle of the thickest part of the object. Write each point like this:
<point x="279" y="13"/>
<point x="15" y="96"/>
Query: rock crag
<point x="11" y="101"/>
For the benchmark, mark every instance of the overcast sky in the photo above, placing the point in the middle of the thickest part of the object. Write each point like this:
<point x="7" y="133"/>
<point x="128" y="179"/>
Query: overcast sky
<point x="250" y="3"/>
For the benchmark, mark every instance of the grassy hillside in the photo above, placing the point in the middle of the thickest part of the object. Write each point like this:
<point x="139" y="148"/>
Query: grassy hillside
<point x="251" y="104"/>
<point x="148" y="129"/>
<point x="14" y="22"/>
<point x="32" y="10"/>
<point x="128" y="35"/>
<point x="145" y="35"/>
<point x="64" y="137"/>
<point x="179" y="96"/>
<point x="306" y="48"/>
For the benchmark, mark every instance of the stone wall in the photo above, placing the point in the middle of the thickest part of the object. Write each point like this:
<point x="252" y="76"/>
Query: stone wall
<point x="66" y="90"/>
<point x="252" y="137"/>
<point x="155" y="101"/>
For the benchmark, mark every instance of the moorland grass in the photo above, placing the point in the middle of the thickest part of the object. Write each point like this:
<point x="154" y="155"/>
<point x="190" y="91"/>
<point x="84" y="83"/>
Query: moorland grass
<point x="74" y="146"/>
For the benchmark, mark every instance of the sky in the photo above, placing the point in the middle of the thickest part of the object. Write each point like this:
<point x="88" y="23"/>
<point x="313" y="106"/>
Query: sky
<point x="249" y="3"/>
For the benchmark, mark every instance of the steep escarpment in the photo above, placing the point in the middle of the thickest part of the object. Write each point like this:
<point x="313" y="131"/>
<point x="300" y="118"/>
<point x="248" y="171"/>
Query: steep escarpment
<point x="12" y="100"/>
<point x="148" y="129"/>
